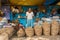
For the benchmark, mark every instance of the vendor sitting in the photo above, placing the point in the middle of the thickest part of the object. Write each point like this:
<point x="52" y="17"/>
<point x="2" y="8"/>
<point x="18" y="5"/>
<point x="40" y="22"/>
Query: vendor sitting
<point x="17" y="25"/>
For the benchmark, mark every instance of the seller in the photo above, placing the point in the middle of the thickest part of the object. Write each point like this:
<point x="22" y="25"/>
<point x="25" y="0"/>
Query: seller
<point x="53" y="12"/>
<point x="29" y="15"/>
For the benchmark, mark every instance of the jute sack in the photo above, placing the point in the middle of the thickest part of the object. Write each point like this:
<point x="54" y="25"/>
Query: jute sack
<point x="54" y="27"/>
<point x="59" y="28"/>
<point x="38" y="30"/>
<point x="2" y="30"/>
<point x="21" y="33"/>
<point x="46" y="28"/>
<point x="29" y="31"/>
<point x="4" y="36"/>
<point x="9" y="31"/>
<point x="1" y="18"/>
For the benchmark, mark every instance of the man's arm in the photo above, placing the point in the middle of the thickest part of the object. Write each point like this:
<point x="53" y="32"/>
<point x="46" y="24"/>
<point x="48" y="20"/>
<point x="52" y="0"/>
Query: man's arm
<point x="26" y="14"/>
<point x="32" y="14"/>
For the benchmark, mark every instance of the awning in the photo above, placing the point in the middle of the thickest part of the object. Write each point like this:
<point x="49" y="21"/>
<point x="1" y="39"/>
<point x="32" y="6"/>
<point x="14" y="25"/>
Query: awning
<point x="27" y="2"/>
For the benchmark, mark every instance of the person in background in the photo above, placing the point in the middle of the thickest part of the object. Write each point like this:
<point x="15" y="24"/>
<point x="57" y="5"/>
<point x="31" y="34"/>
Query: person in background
<point x="38" y="13"/>
<point x="3" y="20"/>
<point x="53" y="12"/>
<point x="30" y="16"/>
<point x="7" y="14"/>
<point x="42" y="14"/>
<point x="58" y="11"/>
<point x="35" y="12"/>
<point x="15" y="11"/>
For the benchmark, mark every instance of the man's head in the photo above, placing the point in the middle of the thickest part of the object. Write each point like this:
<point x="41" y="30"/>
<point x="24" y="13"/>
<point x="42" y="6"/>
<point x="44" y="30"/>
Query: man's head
<point x="53" y="10"/>
<point x="5" y="9"/>
<point x="1" y="14"/>
<point x="29" y="10"/>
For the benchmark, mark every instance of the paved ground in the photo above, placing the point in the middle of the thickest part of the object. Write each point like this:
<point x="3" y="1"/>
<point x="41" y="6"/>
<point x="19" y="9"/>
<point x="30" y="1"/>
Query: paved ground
<point x="36" y="38"/>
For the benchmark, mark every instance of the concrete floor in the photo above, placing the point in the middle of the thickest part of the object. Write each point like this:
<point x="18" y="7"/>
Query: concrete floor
<point x="36" y="38"/>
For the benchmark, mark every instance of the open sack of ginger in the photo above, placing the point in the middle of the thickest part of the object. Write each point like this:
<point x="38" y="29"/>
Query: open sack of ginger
<point x="29" y="31"/>
<point x="38" y="30"/>
<point x="46" y="28"/>
<point x="4" y="36"/>
<point x="9" y="31"/>
<point x="54" y="27"/>
<point x="21" y="32"/>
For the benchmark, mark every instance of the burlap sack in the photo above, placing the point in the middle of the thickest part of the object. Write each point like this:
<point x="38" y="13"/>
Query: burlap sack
<point x="30" y="38"/>
<point x="2" y="30"/>
<point x="4" y="36"/>
<point x="46" y="28"/>
<point x="54" y="27"/>
<point x="38" y="30"/>
<point x="29" y="31"/>
<point x="21" y="33"/>
<point x="1" y="18"/>
<point x="59" y="28"/>
<point x="9" y="31"/>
